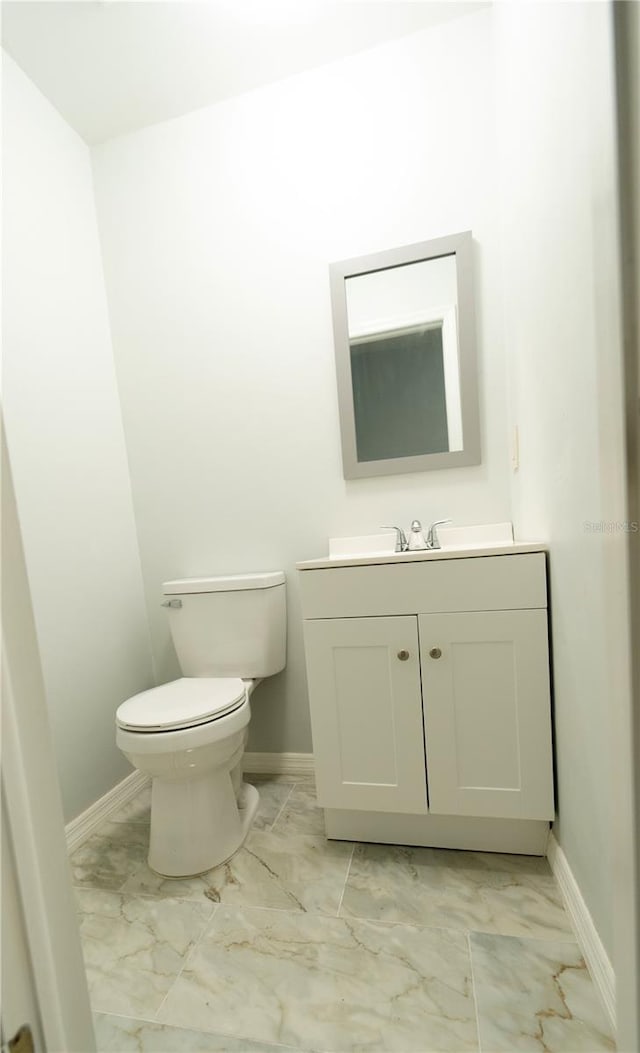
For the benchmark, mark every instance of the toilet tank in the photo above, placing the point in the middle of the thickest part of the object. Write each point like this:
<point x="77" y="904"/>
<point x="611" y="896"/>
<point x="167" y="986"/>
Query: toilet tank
<point x="228" y="626"/>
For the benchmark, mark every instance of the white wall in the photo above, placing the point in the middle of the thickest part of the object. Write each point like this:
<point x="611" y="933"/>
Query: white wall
<point x="65" y="438"/>
<point x="562" y="341"/>
<point x="217" y="230"/>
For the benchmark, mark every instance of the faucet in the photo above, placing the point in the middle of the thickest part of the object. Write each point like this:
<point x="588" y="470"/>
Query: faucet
<point x="401" y="538"/>
<point x="432" y="538"/>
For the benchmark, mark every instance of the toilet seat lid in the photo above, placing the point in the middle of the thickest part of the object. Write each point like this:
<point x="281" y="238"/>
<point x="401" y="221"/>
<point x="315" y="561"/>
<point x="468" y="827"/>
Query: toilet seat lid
<point x="182" y="703"/>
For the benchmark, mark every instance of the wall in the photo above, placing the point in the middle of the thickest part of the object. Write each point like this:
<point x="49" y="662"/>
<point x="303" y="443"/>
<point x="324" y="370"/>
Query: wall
<point x="65" y="439"/>
<point x="563" y="345"/>
<point x="217" y="230"/>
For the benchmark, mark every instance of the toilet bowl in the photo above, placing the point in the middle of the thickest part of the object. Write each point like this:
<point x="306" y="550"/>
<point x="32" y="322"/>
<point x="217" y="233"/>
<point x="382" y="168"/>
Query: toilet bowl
<point x="189" y="735"/>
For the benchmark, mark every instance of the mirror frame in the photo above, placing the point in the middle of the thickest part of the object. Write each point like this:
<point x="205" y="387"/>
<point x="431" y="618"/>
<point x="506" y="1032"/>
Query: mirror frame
<point x="459" y="245"/>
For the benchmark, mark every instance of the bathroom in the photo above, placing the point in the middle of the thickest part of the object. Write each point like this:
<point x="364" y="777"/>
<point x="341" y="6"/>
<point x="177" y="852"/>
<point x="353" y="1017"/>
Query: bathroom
<point x="169" y="379"/>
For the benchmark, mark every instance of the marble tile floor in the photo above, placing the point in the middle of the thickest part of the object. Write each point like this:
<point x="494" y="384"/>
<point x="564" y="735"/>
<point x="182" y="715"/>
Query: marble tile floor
<point x="316" y="946"/>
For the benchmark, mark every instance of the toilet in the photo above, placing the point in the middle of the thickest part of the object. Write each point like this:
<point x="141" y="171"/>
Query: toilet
<point x="189" y="735"/>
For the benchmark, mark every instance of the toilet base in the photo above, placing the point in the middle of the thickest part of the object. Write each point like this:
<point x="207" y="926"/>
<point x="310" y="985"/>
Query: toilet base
<point x="198" y="824"/>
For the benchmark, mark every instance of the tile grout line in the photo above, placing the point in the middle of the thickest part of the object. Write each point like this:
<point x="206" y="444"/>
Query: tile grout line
<point x="355" y="919"/>
<point x="199" y="1031"/>
<point x="180" y="1027"/>
<point x="561" y="937"/>
<point x="188" y="955"/>
<point x="473" y="991"/>
<point x="123" y="1016"/>
<point x="283" y="806"/>
<point x="344" y="887"/>
<point x="138" y="894"/>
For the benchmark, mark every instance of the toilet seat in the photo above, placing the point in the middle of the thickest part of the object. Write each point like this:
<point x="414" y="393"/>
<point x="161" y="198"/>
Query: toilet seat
<point x="184" y="703"/>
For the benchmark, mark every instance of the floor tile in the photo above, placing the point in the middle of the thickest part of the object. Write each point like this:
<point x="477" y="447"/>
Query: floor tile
<point x="301" y="814"/>
<point x="117" y="1034"/>
<point x="536" y="995"/>
<point x="486" y="892"/>
<point x="252" y="956"/>
<point x="286" y="873"/>
<point x="135" y="946"/>
<point x="273" y="796"/>
<point x="146" y="882"/>
<point x="107" y="858"/>
<point x="328" y="984"/>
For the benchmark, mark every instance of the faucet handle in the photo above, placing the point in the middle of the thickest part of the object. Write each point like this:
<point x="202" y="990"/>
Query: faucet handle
<point x="432" y="540"/>
<point x="401" y="538"/>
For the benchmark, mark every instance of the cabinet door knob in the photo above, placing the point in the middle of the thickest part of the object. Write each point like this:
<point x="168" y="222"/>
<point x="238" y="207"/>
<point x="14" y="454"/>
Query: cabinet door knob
<point x="435" y="652"/>
<point x="403" y="655"/>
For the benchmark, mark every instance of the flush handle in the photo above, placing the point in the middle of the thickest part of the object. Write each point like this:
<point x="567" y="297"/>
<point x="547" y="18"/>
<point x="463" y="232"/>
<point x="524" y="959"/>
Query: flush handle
<point x="403" y="655"/>
<point x="172" y="603"/>
<point x="435" y="652"/>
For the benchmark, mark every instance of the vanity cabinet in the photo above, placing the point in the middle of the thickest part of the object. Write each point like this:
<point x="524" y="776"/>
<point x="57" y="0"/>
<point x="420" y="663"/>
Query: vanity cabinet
<point x="366" y="703"/>
<point x="429" y="690"/>
<point x="487" y="714"/>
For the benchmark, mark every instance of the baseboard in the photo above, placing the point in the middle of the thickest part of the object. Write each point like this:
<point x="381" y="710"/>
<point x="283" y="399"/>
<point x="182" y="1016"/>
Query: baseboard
<point x="80" y="828"/>
<point x="590" y="943"/>
<point x="279" y="763"/>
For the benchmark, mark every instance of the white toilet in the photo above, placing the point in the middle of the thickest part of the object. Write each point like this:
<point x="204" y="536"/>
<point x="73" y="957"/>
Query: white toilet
<point x="189" y="735"/>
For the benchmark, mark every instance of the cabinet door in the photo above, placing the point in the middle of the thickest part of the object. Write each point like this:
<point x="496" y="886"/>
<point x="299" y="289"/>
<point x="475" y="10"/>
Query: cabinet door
<point x="366" y="713"/>
<point x="487" y="714"/>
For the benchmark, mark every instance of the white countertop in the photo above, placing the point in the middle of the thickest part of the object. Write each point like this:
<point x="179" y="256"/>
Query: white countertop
<point x="419" y="557"/>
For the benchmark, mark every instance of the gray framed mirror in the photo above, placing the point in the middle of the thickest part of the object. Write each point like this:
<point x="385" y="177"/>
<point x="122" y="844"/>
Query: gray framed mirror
<point x="404" y="331"/>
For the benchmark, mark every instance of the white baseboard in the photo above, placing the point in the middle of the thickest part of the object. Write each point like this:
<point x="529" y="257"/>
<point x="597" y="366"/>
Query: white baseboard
<point x="279" y="763"/>
<point x="80" y="828"/>
<point x="590" y="943"/>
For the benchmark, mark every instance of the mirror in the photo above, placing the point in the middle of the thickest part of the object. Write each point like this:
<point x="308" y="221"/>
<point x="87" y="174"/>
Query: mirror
<point x="404" y="333"/>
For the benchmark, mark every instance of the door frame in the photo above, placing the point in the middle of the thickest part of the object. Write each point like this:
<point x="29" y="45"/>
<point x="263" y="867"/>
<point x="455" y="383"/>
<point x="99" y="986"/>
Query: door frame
<point x="33" y="809"/>
<point x="626" y="713"/>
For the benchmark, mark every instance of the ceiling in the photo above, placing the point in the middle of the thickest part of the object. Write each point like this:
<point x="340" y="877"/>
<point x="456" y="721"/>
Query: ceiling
<point x="112" y="67"/>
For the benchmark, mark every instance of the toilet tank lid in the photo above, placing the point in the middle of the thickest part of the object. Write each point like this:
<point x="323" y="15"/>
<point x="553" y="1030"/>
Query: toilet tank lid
<point x="226" y="583"/>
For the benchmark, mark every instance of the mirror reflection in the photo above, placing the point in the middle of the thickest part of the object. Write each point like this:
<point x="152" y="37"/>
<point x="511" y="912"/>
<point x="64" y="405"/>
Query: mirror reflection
<point x="405" y="357"/>
<point x="403" y="344"/>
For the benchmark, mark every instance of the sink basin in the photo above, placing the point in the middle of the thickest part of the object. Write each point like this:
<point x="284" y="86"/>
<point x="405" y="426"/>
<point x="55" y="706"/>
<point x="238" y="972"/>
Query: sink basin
<point x="451" y="538"/>
<point x="383" y="544"/>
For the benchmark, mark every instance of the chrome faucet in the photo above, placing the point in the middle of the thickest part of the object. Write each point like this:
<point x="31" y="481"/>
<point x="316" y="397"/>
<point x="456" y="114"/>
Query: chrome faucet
<point x="432" y="537"/>
<point x="401" y="538"/>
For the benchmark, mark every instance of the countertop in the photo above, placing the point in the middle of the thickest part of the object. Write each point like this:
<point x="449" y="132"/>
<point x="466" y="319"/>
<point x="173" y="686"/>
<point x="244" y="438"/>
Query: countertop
<point x="325" y="563"/>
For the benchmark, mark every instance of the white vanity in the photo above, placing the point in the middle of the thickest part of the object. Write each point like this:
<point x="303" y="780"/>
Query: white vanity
<point x="428" y="679"/>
